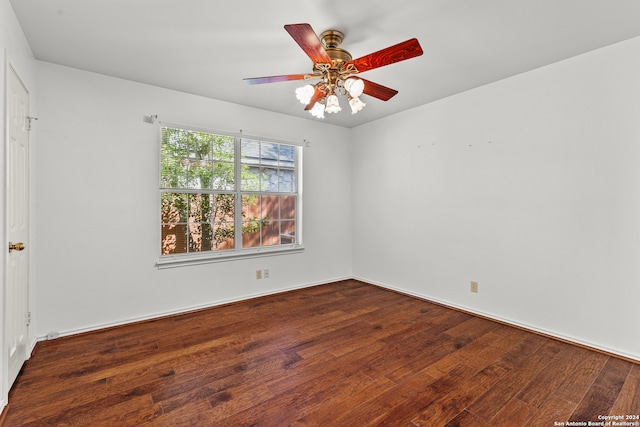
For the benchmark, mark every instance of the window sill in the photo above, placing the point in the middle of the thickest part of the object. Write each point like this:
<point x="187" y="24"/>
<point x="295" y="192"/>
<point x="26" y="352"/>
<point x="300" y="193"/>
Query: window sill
<point x="171" y="261"/>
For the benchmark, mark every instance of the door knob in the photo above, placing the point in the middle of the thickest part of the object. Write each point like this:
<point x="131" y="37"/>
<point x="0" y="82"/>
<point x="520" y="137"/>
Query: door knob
<point x="16" y="247"/>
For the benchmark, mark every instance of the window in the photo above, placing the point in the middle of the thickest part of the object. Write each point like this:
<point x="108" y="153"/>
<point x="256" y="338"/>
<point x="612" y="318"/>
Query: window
<point x="224" y="195"/>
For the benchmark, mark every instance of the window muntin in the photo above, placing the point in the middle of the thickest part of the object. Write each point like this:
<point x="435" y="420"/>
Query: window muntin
<point x="197" y="160"/>
<point x="268" y="220"/>
<point x="271" y="166"/>
<point x="204" y="211"/>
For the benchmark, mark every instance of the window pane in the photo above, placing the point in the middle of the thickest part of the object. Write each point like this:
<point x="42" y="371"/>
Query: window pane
<point x="223" y="176"/>
<point x="287" y="232"/>
<point x="287" y="156"/>
<point x="286" y="181"/>
<point x="223" y="147"/>
<point x="200" y="237"/>
<point x="174" y="172"/>
<point x="287" y="207"/>
<point x="223" y="208"/>
<point x="251" y="207"/>
<point x="207" y="243"/>
<point x="223" y="215"/>
<point x="269" y="180"/>
<point x="223" y="235"/>
<point x="173" y="143"/>
<point x="271" y="233"/>
<point x="250" y="234"/>
<point x="270" y="207"/>
<point x="250" y="178"/>
<point x="174" y="208"/>
<point x="200" y="174"/>
<point x="250" y="159"/>
<point x="250" y="152"/>
<point x="200" y="207"/>
<point x="269" y="154"/>
<point x="199" y="145"/>
<point x="174" y="239"/>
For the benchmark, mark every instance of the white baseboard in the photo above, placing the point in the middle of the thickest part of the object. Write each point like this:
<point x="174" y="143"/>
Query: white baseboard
<point x="553" y="334"/>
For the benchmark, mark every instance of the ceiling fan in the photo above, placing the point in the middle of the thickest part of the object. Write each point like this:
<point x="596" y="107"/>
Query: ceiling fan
<point x="335" y="69"/>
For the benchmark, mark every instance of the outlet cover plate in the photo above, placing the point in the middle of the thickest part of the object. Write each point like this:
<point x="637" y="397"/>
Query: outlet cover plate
<point x="474" y="287"/>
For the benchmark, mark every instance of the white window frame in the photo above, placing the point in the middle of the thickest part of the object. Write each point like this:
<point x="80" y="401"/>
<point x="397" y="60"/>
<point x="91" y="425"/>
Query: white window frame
<point x="196" y="258"/>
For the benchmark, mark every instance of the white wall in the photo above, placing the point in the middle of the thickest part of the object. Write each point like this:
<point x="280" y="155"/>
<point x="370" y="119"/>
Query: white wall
<point x="14" y="49"/>
<point x="98" y="207"/>
<point x="528" y="186"/>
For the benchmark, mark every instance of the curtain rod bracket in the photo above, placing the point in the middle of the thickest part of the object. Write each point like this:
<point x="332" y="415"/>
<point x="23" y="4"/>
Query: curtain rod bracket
<point x="150" y="119"/>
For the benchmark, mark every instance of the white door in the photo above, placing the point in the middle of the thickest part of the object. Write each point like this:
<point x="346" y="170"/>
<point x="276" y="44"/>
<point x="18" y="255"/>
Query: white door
<point x="16" y="293"/>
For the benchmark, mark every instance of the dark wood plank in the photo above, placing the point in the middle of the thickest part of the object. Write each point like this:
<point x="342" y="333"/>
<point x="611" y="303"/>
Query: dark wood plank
<point x="580" y="375"/>
<point x="550" y="378"/>
<point x="553" y="410"/>
<point x="410" y="395"/>
<point x="465" y="419"/>
<point x="628" y="401"/>
<point x="449" y="405"/>
<point x="514" y="413"/>
<point x="523" y="362"/>
<point x="602" y="395"/>
<point x="345" y="353"/>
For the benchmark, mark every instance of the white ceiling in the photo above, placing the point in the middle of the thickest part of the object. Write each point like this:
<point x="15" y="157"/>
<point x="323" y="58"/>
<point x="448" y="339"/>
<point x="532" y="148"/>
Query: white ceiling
<point x="207" y="47"/>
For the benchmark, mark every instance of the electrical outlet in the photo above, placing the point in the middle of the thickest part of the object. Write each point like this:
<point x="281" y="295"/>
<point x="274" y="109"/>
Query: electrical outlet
<point x="258" y="274"/>
<point x="474" y="286"/>
<point x="265" y="273"/>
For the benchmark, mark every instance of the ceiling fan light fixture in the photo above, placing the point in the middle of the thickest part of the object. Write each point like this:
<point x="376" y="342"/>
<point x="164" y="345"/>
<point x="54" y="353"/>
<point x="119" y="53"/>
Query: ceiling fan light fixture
<point x="335" y="68"/>
<point x="317" y="110"/>
<point x="333" y="105"/>
<point x="356" y="104"/>
<point x="354" y="86"/>
<point x="305" y="93"/>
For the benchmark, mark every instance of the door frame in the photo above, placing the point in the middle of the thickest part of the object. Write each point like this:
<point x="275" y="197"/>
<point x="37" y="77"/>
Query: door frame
<point x="10" y="67"/>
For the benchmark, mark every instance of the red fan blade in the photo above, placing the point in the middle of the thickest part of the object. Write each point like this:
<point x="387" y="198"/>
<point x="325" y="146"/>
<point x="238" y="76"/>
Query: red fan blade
<point x="378" y="91"/>
<point x="318" y="94"/>
<point x="304" y="35"/>
<point x="396" y="53"/>
<point x="272" y="79"/>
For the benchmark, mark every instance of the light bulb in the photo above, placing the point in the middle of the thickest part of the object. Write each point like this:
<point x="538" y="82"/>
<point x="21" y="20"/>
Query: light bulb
<point x="356" y="104"/>
<point x="355" y="87"/>
<point x="304" y="94"/>
<point x="333" y="106"/>
<point x="317" y="110"/>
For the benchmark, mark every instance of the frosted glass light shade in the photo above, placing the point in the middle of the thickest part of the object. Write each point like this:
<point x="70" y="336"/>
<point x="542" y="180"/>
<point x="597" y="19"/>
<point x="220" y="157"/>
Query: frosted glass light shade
<point x="356" y="104"/>
<point x="355" y="87"/>
<point x="333" y="106"/>
<point x="304" y="94"/>
<point x="317" y="110"/>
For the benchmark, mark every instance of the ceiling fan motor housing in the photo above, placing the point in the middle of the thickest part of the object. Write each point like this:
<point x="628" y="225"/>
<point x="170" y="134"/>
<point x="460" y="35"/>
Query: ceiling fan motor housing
<point x="331" y="39"/>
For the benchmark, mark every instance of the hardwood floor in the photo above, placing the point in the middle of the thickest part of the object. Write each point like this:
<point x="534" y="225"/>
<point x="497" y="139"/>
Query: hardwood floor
<point x="342" y="354"/>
